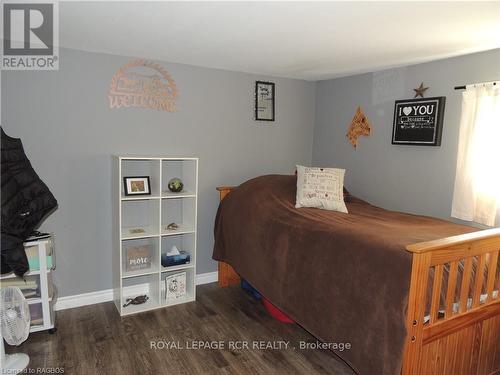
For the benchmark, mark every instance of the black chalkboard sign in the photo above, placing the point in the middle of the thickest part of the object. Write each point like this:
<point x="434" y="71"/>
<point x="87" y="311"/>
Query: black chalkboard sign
<point x="418" y="121"/>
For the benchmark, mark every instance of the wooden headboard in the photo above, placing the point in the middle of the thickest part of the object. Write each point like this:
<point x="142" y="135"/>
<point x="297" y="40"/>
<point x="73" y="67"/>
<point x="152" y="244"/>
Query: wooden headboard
<point x="224" y="190"/>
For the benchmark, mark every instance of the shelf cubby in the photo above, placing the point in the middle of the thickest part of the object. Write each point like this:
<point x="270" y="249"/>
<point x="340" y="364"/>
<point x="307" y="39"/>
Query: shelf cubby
<point x="151" y="248"/>
<point x="142" y="167"/>
<point x="139" y="285"/>
<point x="180" y="211"/>
<point x="186" y="170"/>
<point x="140" y="218"/>
<point x="185" y="242"/>
<point x="190" y="287"/>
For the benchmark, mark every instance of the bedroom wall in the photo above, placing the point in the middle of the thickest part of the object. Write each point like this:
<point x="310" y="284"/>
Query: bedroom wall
<point x="69" y="133"/>
<point x="416" y="179"/>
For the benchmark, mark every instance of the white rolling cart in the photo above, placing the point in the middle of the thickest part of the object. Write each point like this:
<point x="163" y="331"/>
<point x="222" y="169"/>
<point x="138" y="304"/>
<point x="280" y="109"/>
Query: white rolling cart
<point x="42" y="302"/>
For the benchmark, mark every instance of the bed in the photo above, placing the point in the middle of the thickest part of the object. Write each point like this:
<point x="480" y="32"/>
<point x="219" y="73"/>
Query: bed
<point x="411" y="294"/>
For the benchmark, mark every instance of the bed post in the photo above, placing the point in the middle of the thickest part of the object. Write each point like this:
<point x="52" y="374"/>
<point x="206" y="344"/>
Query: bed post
<point x="227" y="275"/>
<point x="416" y="310"/>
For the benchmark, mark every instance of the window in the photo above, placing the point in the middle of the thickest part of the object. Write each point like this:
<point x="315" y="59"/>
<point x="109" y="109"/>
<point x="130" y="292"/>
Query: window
<point x="476" y="196"/>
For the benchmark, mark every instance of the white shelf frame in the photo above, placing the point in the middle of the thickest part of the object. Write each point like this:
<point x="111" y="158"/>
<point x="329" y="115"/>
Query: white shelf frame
<point x="155" y="302"/>
<point x="141" y="198"/>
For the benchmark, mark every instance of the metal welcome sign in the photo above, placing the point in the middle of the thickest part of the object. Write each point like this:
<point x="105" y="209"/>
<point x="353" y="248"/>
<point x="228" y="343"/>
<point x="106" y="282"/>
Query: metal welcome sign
<point x="418" y="121"/>
<point x="143" y="84"/>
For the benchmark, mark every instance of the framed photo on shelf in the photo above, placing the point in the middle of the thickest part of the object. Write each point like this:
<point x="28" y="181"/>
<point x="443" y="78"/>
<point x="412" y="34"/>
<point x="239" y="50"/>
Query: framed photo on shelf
<point x="264" y="101"/>
<point x="175" y="286"/>
<point x="138" y="185"/>
<point x="138" y="258"/>
<point x="418" y="121"/>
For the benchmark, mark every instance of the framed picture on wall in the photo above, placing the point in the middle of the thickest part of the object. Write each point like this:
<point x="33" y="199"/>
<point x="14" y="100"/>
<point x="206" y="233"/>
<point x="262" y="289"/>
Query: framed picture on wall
<point x="264" y="101"/>
<point x="136" y="185"/>
<point x="418" y="121"/>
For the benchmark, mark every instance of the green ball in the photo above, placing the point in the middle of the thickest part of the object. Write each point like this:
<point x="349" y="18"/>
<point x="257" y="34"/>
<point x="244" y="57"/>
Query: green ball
<point x="175" y="185"/>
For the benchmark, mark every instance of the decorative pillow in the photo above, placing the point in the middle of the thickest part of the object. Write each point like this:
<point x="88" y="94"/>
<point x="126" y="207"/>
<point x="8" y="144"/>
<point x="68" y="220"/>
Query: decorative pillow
<point x="320" y="188"/>
<point x="347" y="195"/>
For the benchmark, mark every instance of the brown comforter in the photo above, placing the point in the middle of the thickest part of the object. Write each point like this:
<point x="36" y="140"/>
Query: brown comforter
<point x="343" y="277"/>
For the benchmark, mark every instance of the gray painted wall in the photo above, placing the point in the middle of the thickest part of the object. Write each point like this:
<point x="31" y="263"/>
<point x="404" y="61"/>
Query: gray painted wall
<point x="69" y="133"/>
<point x="417" y="179"/>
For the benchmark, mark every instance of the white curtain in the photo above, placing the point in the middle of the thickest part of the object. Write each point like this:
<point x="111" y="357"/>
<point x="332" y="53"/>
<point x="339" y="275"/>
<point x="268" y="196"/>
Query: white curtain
<point x="476" y="196"/>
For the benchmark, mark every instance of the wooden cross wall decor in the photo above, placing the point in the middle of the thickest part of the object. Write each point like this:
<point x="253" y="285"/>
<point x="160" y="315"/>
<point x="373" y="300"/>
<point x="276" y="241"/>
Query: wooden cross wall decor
<point x="360" y="125"/>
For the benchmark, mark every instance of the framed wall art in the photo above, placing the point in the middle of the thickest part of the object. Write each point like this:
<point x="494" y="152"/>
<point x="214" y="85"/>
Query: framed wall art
<point x="136" y="185"/>
<point x="418" y="121"/>
<point x="264" y="101"/>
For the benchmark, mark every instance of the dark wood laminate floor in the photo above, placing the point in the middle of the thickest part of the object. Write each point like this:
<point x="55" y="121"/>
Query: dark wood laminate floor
<point x="95" y="340"/>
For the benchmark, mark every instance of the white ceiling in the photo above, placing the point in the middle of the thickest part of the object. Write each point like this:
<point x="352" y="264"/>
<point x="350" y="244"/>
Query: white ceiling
<point x="307" y="40"/>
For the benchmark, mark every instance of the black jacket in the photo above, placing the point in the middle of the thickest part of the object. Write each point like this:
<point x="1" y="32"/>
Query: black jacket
<point x="26" y="201"/>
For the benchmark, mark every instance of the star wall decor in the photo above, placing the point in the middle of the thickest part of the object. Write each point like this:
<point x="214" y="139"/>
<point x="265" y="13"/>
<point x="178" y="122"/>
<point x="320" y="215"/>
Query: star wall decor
<point x="419" y="91"/>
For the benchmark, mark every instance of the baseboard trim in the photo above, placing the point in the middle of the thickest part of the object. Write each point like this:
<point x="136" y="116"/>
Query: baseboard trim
<point x="85" y="299"/>
<point x="207" y="278"/>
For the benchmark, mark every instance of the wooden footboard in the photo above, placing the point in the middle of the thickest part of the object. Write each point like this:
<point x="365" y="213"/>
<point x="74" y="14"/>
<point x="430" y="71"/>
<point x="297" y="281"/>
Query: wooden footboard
<point x="462" y="335"/>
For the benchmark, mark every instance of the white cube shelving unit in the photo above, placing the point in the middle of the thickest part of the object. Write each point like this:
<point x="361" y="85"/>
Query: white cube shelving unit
<point x="152" y="213"/>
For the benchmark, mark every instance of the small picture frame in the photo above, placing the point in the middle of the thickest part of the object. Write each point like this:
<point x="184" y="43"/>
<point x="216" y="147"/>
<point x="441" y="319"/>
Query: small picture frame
<point x="264" y="101"/>
<point x="137" y="185"/>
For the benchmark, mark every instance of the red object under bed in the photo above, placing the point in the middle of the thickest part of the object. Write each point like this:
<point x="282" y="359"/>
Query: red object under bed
<point x="275" y="312"/>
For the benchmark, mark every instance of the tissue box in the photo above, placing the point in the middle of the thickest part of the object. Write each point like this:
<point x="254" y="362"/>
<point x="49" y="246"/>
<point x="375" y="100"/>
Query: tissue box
<point x="175" y="260"/>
